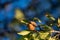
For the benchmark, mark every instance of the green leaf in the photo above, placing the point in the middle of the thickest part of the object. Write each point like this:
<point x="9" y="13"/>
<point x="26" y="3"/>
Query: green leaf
<point x="51" y="38"/>
<point x="43" y="35"/>
<point x="24" y="33"/>
<point x="19" y="14"/>
<point x="21" y="38"/>
<point x="26" y="38"/>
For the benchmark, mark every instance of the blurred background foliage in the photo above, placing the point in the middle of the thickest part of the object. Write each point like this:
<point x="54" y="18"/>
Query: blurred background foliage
<point x="15" y="15"/>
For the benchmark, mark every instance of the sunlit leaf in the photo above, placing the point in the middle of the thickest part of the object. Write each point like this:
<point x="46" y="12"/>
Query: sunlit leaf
<point x="36" y="19"/>
<point x="52" y="18"/>
<point x="36" y="39"/>
<point x="34" y="35"/>
<point x="26" y="38"/>
<point x="58" y="20"/>
<point x="43" y="35"/>
<point x="24" y="33"/>
<point x="51" y="38"/>
<point x="19" y="14"/>
<point x="24" y="22"/>
<point x="49" y="16"/>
